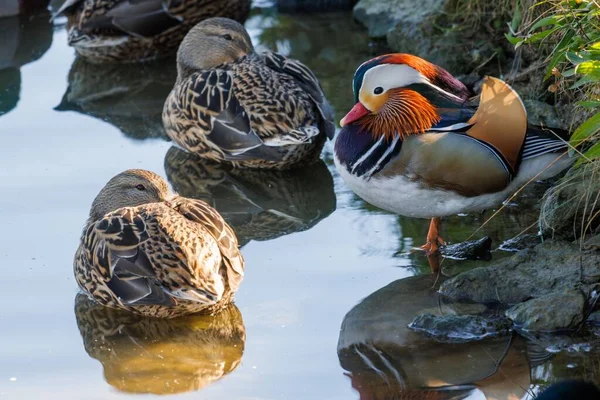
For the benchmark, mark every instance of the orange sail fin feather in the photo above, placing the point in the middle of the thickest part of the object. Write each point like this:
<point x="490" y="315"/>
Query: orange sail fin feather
<point x="406" y="112"/>
<point x="500" y="120"/>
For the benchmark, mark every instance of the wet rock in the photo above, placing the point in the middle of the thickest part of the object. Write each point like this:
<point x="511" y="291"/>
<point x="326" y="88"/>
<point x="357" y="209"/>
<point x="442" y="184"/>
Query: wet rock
<point x="460" y="328"/>
<point x="550" y="267"/>
<point x="553" y="312"/>
<point x="540" y="113"/>
<point x="520" y="242"/>
<point x="380" y="17"/>
<point x="469" y="250"/>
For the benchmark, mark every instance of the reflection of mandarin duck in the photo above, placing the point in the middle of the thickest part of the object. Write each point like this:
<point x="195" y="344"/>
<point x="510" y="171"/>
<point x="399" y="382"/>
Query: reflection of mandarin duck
<point x="386" y="360"/>
<point x="149" y="251"/>
<point x="258" y="204"/>
<point x="416" y="145"/>
<point x="150" y="355"/>
<point x="230" y="104"/>
<point x="134" y="31"/>
<point x="129" y="96"/>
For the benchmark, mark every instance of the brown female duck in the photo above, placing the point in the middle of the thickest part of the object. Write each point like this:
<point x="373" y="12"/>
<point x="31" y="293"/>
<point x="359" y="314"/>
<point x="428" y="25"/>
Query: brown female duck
<point x="134" y="30"/>
<point x="149" y="251"/>
<point x="230" y="104"/>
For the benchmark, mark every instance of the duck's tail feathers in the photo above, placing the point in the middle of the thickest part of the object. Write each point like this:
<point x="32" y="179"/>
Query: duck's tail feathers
<point x="542" y="140"/>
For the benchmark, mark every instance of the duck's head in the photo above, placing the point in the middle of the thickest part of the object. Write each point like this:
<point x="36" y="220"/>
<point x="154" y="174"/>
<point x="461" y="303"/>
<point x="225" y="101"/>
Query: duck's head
<point x="212" y="42"/>
<point x="130" y="188"/>
<point x="402" y="94"/>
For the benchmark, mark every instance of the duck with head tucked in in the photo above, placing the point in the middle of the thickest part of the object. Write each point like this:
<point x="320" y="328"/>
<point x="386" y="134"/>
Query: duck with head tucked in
<point x="230" y="104"/>
<point x="139" y="30"/>
<point x="417" y="144"/>
<point x="146" y="250"/>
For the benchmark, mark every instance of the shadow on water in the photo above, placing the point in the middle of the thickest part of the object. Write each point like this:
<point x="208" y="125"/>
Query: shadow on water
<point x="259" y="205"/>
<point x="386" y="360"/>
<point x="150" y="355"/>
<point x="128" y="96"/>
<point x="23" y="39"/>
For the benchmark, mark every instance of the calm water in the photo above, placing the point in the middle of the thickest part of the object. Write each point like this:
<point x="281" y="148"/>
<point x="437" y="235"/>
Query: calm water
<point x="314" y="250"/>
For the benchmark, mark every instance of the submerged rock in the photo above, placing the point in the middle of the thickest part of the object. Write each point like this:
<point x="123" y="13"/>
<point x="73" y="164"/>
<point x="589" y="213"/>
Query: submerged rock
<point x="548" y="268"/>
<point x="460" y="328"/>
<point x="469" y="250"/>
<point x="553" y="312"/>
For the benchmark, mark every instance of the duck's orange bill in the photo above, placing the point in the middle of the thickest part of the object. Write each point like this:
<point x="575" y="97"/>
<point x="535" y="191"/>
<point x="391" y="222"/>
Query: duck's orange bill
<point x="357" y="112"/>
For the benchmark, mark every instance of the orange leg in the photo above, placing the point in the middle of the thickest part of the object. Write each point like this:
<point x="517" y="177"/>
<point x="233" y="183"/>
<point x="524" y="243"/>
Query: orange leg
<point x="433" y="238"/>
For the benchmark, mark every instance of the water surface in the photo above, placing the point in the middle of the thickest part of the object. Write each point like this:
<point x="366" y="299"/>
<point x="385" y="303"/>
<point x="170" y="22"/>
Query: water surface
<point x="313" y="249"/>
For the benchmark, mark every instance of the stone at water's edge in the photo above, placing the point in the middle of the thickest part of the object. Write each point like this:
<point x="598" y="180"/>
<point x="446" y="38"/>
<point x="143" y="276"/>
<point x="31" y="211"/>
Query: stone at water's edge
<point x="469" y="250"/>
<point x="381" y="16"/>
<point x="550" y="267"/>
<point x="410" y="27"/>
<point x="553" y="312"/>
<point x="559" y="276"/>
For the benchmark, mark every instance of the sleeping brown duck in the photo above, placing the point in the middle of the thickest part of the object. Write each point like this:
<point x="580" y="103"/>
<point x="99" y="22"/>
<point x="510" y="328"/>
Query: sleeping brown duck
<point x="149" y="251"/>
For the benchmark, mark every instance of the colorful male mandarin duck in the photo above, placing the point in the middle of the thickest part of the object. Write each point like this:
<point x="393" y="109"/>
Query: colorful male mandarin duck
<point x="139" y="30"/>
<point x="230" y="104"/>
<point x="417" y="145"/>
<point x="149" y="251"/>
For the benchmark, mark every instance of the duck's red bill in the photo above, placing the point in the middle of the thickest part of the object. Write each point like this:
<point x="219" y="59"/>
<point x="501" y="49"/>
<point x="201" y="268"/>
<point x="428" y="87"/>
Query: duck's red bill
<point x="357" y="112"/>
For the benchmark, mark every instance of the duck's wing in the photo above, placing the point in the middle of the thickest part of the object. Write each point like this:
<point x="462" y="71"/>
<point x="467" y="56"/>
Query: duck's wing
<point x="154" y="259"/>
<point x="307" y="80"/>
<point x="200" y="212"/>
<point x="208" y="99"/>
<point x="140" y="18"/>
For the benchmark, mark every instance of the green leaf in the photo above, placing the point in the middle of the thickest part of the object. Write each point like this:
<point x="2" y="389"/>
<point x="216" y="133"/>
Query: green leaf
<point x="589" y="103"/>
<point x="568" y="73"/>
<point x="591" y="154"/>
<point x="516" y="20"/>
<point x="574" y="57"/>
<point x="583" y="81"/>
<point x="513" y="40"/>
<point x="588" y="128"/>
<point x="589" y="68"/>
<point x="595" y="46"/>
<point x="551" y="20"/>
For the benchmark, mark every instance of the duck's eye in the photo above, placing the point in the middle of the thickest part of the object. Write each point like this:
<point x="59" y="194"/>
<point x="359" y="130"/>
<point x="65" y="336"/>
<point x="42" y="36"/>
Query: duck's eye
<point x="227" y="36"/>
<point x="378" y="90"/>
<point x="140" y="187"/>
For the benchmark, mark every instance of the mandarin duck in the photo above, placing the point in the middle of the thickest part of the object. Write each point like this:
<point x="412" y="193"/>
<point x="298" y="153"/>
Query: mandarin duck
<point x="139" y="30"/>
<point x="416" y="143"/>
<point x="148" y="251"/>
<point x="232" y="105"/>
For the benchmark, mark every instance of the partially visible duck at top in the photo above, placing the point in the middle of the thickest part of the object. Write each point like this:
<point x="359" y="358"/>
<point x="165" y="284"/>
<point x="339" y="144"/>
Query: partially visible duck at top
<point x="418" y="145"/>
<point x="139" y="30"/>
<point x="233" y="105"/>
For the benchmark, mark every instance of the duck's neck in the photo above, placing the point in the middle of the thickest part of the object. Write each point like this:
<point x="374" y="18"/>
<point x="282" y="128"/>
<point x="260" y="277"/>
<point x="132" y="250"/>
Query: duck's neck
<point x="362" y="153"/>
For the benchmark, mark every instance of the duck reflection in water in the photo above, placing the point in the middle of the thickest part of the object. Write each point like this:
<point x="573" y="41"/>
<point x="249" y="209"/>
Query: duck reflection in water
<point x="129" y="96"/>
<point x="258" y="204"/>
<point x="23" y="39"/>
<point x="385" y="360"/>
<point x="159" y="356"/>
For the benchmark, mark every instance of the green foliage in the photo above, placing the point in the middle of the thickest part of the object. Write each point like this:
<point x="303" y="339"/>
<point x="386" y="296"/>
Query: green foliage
<point x="569" y="31"/>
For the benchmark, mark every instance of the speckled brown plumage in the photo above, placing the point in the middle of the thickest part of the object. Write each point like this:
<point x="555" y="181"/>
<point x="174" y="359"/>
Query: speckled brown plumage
<point x="134" y="31"/>
<point x="162" y="258"/>
<point x="258" y="111"/>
